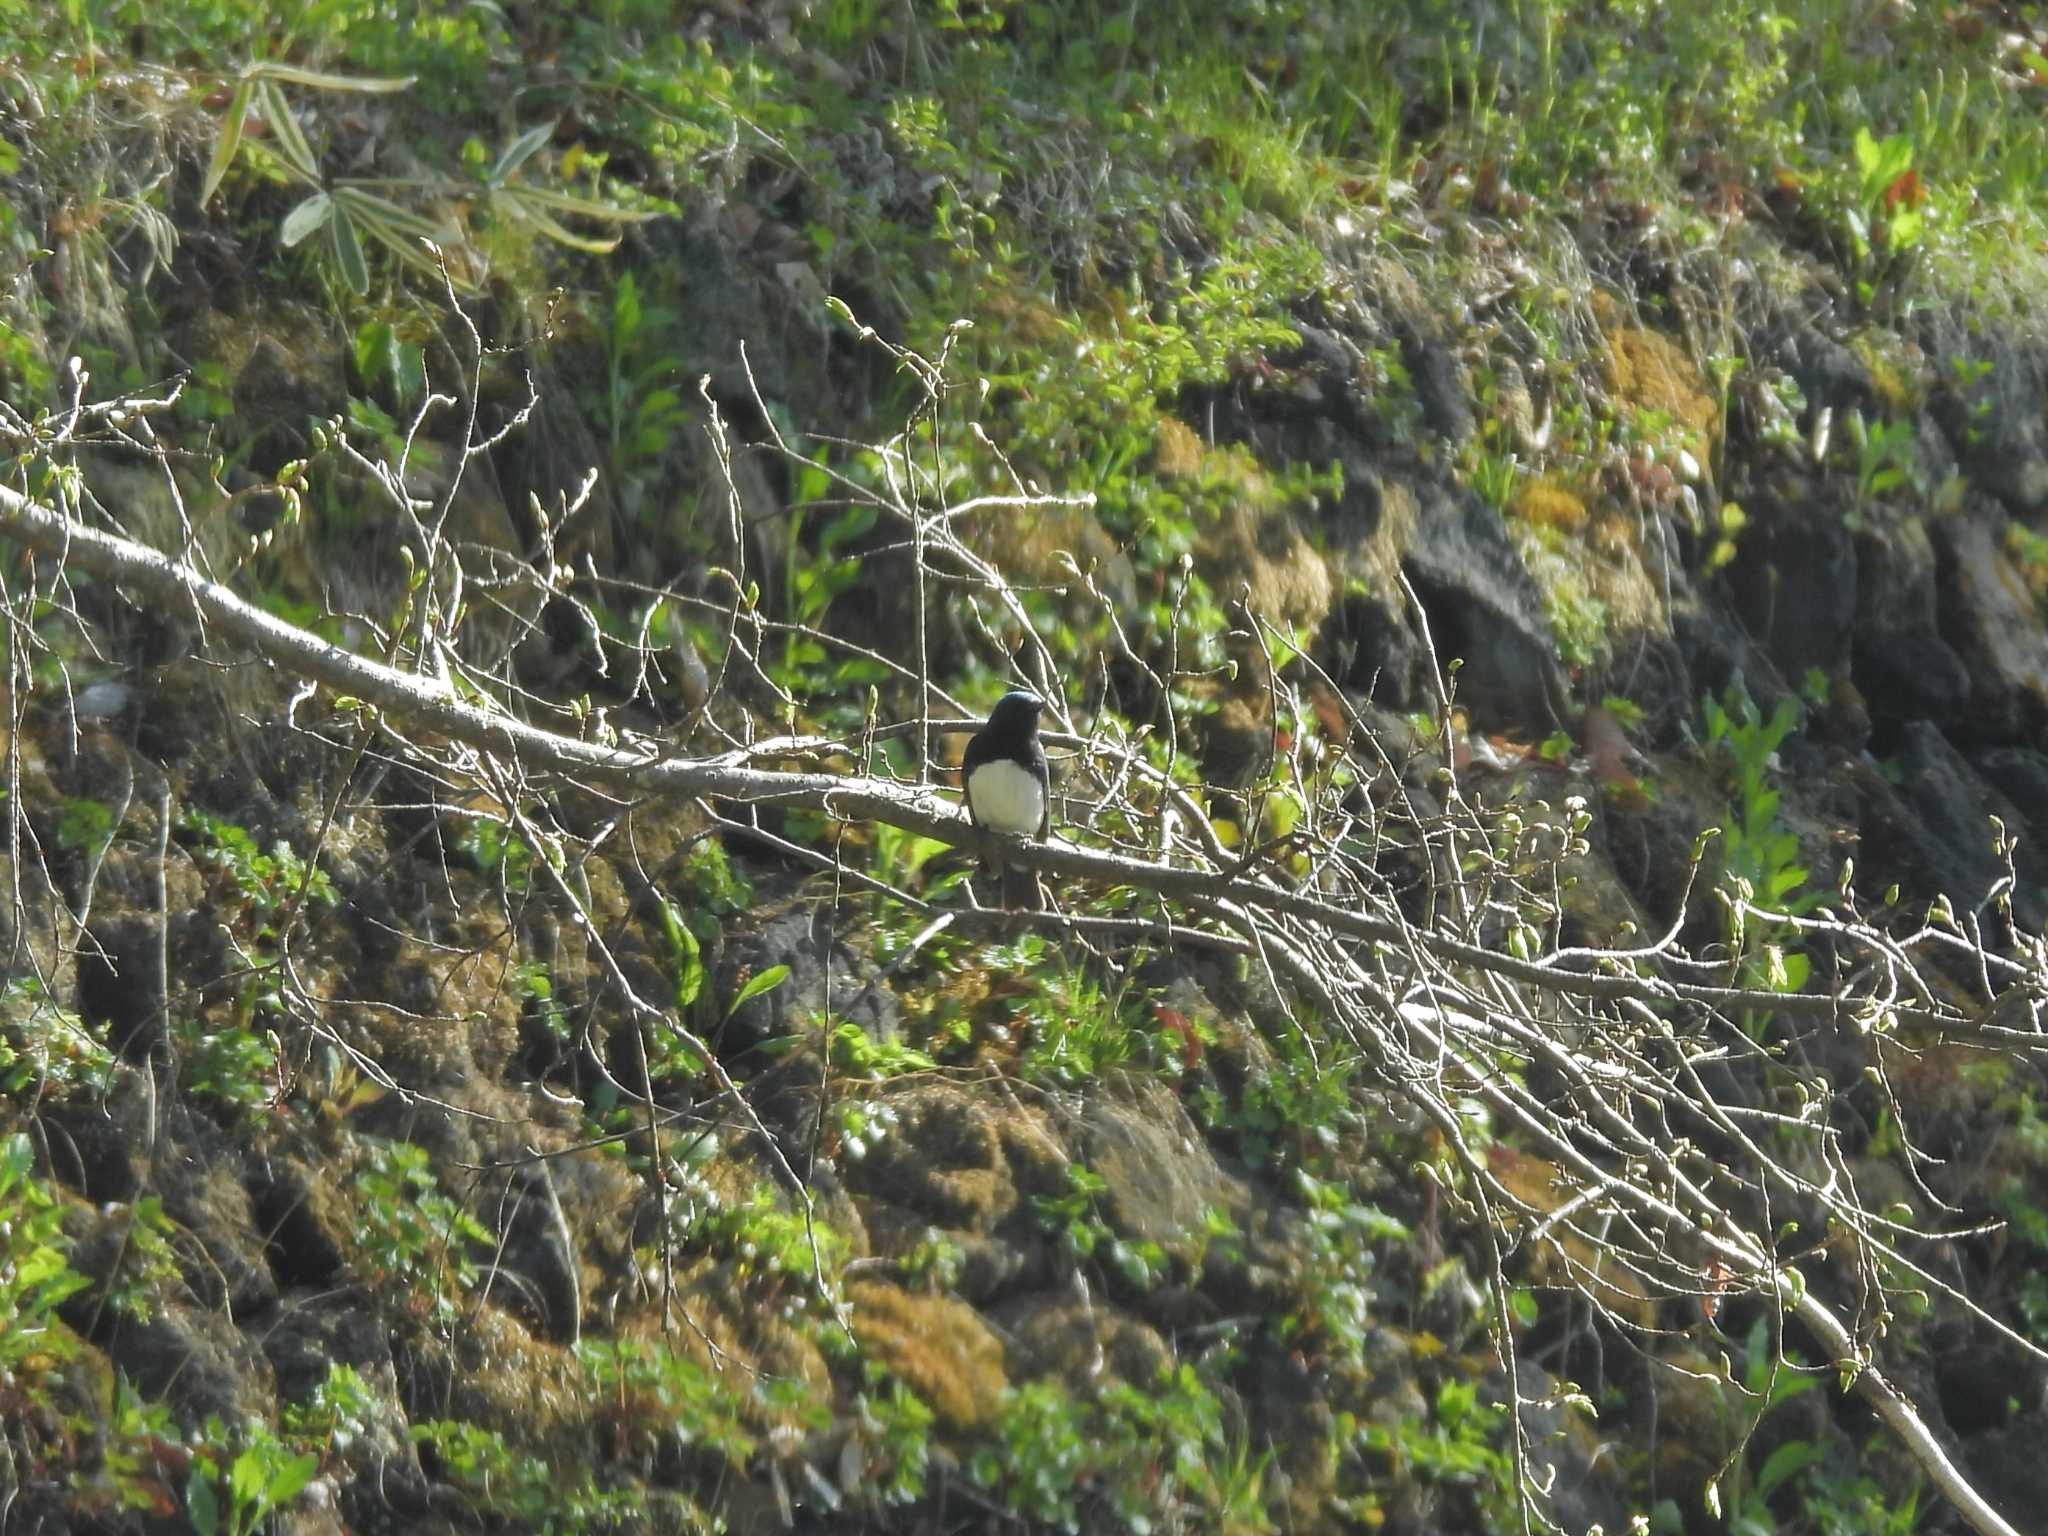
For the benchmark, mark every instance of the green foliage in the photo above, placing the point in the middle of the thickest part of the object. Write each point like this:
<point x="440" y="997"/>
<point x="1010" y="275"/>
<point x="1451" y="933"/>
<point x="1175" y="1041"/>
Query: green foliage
<point x="1745" y="1492"/>
<point x="1073" y="1029"/>
<point x="408" y="217"/>
<point x="499" y="1483"/>
<point x="774" y="1253"/>
<point x="414" y="1241"/>
<point x="493" y="847"/>
<point x="1463" y="1444"/>
<point x="36" y="1277"/>
<point x="858" y="1054"/>
<point x="670" y="1397"/>
<point x="1297" y="1113"/>
<point x="815" y="575"/>
<point x="1885" y="458"/>
<point x="233" y="1495"/>
<point x="232" y="1064"/>
<point x="642" y="409"/>
<point x="1759" y="857"/>
<point x="892" y="1427"/>
<point x="259" y="884"/>
<point x="1883" y="211"/>
<point x="47" y="1051"/>
<point x="147" y="1264"/>
<point x="1074" y="1217"/>
<point x="341" y="1409"/>
<point x="1854" y="1505"/>
<point x="1334" y="1316"/>
<point x="85" y="826"/>
<point x="1129" y="1460"/>
<point x="710" y="882"/>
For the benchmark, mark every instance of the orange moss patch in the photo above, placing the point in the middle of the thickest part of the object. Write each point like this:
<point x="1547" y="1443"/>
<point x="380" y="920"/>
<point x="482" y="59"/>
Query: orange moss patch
<point x="1653" y="373"/>
<point x="1550" y="504"/>
<point x="1562" y="1256"/>
<point x="935" y="1345"/>
<point x="1176" y="451"/>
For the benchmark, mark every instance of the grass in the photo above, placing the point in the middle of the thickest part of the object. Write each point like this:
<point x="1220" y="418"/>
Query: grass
<point x="1142" y="213"/>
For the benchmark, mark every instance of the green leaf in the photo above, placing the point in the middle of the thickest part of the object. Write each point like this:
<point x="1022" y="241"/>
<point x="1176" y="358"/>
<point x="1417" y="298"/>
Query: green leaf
<point x="200" y="1503"/>
<point x="292" y="74"/>
<point x="348" y="252"/>
<point x="304" y="219"/>
<point x="285" y="133"/>
<point x="17" y="1157"/>
<point x="1788" y="1460"/>
<point x="245" y="1478"/>
<point x="759" y="983"/>
<point x="589" y="208"/>
<point x="377" y="211"/>
<point x="229" y="141"/>
<point x="687" y="954"/>
<point x="287" y="1482"/>
<point x="520" y="150"/>
<point x="517" y="202"/>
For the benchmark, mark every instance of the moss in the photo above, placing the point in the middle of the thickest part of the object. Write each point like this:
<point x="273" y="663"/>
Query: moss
<point x="936" y="1346"/>
<point x="1176" y="450"/>
<point x="1898" y="370"/>
<point x="1549" y="503"/>
<point x="1649" y="372"/>
<point x="1562" y="1257"/>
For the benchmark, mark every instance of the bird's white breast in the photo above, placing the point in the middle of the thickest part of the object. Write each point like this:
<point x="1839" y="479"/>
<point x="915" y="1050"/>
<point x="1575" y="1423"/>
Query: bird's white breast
<point x="1007" y="798"/>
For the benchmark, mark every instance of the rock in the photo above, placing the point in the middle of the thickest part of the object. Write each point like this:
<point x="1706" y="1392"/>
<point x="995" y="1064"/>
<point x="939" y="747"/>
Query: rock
<point x="1993" y="622"/>
<point x="307" y="1218"/>
<point x="29" y="950"/>
<point x="121" y="981"/>
<point x="2020" y="774"/>
<point x="1161" y="1179"/>
<point x="962" y="1168"/>
<point x="1793" y="578"/>
<point x="1995" y="424"/>
<point x="1934" y="834"/>
<point x="1830" y="375"/>
<point x="822" y="973"/>
<point x="288" y="379"/>
<point x="312" y="1333"/>
<point x="1567" y="1454"/>
<point x="936" y="1346"/>
<point x="1085" y="1344"/>
<point x="537" y="1257"/>
<point x="1903" y="669"/>
<point x="1439" y="385"/>
<point x="195" y="1359"/>
<point x="1484" y="608"/>
<point x="203" y="1195"/>
<point x="2006" y="1466"/>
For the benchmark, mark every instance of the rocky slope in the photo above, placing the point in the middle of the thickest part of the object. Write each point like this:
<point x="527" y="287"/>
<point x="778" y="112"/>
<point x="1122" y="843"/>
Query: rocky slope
<point x="353" y="1193"/>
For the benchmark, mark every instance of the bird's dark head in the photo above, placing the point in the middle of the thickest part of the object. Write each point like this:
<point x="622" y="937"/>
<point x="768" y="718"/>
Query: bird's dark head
<point x="1016" y="714"/>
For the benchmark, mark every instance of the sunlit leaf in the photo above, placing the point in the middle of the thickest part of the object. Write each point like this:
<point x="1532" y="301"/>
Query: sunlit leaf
<point x="305" y="219"/>
<point x="589" y="208"/>
<point x="285" y="134"/>
<point x="520" y="150"/>
<point x="760" y="982"/>
<point x="514" y="201"/>
<point x="292" y="74"/>
<point x="230" y="140"/>
<point x="348" y="252"/>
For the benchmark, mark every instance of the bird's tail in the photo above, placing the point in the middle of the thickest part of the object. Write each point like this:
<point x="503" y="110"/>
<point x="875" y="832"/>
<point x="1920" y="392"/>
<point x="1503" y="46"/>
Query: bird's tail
<point x="1021" y="891"/>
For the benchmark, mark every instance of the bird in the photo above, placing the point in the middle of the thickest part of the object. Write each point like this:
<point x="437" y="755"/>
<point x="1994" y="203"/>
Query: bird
<point x="1009" y="788"/>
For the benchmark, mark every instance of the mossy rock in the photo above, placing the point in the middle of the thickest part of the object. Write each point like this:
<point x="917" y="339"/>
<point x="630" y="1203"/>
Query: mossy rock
<point x="1651" y="372"/>
<point x="935" y="1345"/>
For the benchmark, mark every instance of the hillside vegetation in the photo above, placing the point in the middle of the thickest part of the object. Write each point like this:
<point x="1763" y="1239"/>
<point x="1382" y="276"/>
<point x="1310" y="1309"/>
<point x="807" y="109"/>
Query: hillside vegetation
<point x="1531" y="521"/>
